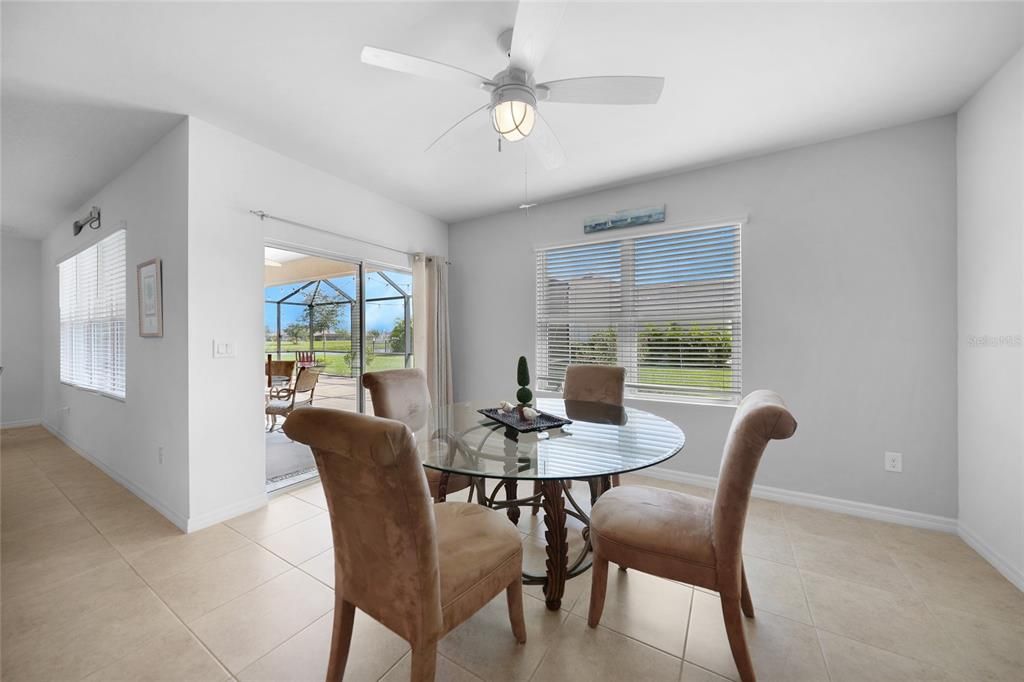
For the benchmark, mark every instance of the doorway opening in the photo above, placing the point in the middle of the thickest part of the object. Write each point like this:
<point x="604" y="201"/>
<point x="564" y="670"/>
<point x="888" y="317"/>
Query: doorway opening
<point x="327" y="321"/>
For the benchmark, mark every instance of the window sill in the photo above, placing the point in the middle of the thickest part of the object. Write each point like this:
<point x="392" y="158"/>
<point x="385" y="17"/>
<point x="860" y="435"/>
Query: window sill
<point x="93" y="391"/>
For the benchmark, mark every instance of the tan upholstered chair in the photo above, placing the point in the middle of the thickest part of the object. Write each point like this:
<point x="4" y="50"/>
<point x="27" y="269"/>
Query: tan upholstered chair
<point x="595" y="384"/>
<point x="403" y="395"/>
<point x="592" y="384"/>
<point x="285" y="400"/>
<point x="692" y="539"/>
<point x="419" y="568"/>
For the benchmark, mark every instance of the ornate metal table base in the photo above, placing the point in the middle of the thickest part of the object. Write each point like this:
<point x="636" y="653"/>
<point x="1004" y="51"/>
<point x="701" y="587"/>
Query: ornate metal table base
<point x="552" y="499"/>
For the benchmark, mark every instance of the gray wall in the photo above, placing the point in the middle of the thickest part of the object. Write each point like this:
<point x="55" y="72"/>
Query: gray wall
<point x="849" y="267"/>
<point x="990" y="147"/>
<point x="22" y="400"/>
<point x="150" y="200"/>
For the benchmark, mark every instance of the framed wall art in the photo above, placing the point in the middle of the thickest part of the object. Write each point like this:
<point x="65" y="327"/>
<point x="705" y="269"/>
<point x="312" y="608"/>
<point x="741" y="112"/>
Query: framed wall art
<point x="151" y="298"/>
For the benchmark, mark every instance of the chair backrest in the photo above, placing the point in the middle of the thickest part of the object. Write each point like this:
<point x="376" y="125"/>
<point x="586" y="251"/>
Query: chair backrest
<point x="306" y="381"/>
<point x="400" y="394"/>
<point x="382" y="519"/>
<point x="279" y="368"/>
<point x="595" y="383"/>
<point x="761" y="416"/>
<point x="304" y="356"/>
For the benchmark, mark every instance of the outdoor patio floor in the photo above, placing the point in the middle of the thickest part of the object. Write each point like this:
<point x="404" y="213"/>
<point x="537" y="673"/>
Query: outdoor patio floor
<point x="289" y="462"/>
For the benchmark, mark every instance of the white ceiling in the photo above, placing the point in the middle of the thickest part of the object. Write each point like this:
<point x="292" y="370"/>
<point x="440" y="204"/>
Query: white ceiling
<point x="86" y="87"/>
<point x="280" y="255"/>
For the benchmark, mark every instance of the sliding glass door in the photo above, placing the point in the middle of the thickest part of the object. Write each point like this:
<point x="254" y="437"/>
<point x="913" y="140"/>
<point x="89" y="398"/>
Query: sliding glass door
<point x="388" y="335"/>
<point x="342" y="317"/>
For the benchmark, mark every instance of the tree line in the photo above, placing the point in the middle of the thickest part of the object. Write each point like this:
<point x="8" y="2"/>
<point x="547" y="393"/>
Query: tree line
<point x="663" y="345"/>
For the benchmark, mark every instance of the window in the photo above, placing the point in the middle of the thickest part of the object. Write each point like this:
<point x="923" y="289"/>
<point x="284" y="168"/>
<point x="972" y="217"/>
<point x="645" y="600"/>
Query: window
<point x="92" y="317"/>
<point x="666" y="307"/>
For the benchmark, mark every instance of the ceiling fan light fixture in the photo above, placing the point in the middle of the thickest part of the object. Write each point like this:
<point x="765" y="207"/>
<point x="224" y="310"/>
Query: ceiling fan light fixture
<point x="513" y="111"/>
<point x="513" y="120"/>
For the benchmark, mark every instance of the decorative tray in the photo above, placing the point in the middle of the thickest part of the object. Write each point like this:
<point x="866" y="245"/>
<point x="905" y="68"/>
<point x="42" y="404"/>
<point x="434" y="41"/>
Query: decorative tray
<point x="513" y="421"/>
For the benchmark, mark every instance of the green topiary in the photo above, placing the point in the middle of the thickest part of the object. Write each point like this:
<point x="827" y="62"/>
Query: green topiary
<point x="524" y="395"/>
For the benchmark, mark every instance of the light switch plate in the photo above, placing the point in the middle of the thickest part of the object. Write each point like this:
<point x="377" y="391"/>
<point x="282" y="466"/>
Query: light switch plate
<point x="223" y="349"/>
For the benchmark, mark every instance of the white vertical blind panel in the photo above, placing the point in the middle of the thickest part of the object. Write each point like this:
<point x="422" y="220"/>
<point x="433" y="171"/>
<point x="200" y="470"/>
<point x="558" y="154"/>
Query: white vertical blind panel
<point x="666" y="307"/>
<point x="92" y="293"/>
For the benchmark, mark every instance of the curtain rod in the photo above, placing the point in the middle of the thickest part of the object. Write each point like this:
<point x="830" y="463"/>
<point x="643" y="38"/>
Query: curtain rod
<point x="262" y="215"/>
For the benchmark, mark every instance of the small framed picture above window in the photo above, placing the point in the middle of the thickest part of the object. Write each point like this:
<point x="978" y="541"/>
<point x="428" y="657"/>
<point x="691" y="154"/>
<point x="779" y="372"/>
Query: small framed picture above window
<point x="151" y="298"/>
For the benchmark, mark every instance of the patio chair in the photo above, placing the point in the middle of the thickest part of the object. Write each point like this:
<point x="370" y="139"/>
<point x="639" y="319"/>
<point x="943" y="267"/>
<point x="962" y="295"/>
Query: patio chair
<point x="279" y="376"/>
<point x="288" y="399"/>
<point x="306" y="358"/>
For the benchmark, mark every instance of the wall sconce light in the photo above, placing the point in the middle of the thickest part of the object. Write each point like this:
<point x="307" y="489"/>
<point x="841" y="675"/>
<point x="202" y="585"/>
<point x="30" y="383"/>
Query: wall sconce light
<point x="92" y="220"/>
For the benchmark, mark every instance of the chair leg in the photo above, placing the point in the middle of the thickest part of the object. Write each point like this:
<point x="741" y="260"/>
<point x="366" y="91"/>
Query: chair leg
<point x="344" y="616"/>
<point x="745" y="601"/>
<point x="598" y="589"/>
<point x="536" y="491"/>
<point x="514" y="596"/>
<point x="424" y="659"/>
<point x="737" y="639"/>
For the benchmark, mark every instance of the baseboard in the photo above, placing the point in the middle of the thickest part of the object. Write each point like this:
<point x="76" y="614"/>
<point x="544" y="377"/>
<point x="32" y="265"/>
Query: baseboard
<point x="135" y="489"/>
<point x="861" y="509"/>
<point x="998" y="561"/>
<point x="226" y="512"/>
<point x="18" y="423"/>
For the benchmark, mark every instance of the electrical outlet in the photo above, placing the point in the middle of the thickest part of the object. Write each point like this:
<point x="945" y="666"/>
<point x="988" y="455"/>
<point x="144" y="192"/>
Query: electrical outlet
<point x="66" y="410"/>
<point x="894" y="462"/>
<point x="160" y="455"/>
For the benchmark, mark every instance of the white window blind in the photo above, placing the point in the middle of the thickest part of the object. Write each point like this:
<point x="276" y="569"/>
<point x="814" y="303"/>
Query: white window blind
<point x="666" y="307"/>
<point x="92" y="288"/>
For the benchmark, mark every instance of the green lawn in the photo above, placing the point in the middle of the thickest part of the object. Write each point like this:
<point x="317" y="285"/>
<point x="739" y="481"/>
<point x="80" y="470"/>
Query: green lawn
<point x="337" y="363"/>
<point x="705" y="377"/>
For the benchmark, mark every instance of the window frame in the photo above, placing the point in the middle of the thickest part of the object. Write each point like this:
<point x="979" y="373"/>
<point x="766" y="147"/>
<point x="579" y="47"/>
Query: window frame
<point x="629" y="241"/>
<point x="60" y="377"/>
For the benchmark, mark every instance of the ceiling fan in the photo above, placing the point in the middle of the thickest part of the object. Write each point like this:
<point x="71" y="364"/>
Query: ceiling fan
<point x="513" y="92"/>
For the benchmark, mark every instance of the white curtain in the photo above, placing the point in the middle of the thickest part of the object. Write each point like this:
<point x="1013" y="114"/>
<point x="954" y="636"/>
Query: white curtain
<point x="431" y="339"/>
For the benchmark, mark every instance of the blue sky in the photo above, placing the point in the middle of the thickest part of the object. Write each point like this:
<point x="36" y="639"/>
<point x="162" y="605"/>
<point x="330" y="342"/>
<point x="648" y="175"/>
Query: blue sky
<point x="690" y="256"/>
<point x="380" y="315"/>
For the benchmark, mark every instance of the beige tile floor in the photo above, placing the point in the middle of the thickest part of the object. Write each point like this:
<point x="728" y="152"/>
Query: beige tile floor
<point x="98" y="586"/>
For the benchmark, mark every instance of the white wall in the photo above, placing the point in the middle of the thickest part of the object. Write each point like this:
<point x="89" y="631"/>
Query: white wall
<point x="849" y="276"/>
<point x="228" y="177"/>
<point x="21" y="402"/>
<point x="150" y="199"/>
<point x="990" y="148"/>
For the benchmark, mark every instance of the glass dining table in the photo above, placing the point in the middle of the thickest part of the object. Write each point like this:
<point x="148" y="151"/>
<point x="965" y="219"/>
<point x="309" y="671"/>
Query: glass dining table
<point x="600" y="442"/>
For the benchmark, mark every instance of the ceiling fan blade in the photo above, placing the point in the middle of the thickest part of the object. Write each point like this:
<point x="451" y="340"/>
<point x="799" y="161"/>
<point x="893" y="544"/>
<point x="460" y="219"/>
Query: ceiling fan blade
<point x="603" y="90"/>
<point x="543" y="142"/>
<point x="446" y="141"/>
<point x="418" y="66"/>
<point x="534" y="30"/>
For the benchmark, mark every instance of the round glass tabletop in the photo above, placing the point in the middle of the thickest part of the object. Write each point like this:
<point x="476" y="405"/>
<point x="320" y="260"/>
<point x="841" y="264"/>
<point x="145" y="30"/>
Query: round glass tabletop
<point x="601" y="440"/>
